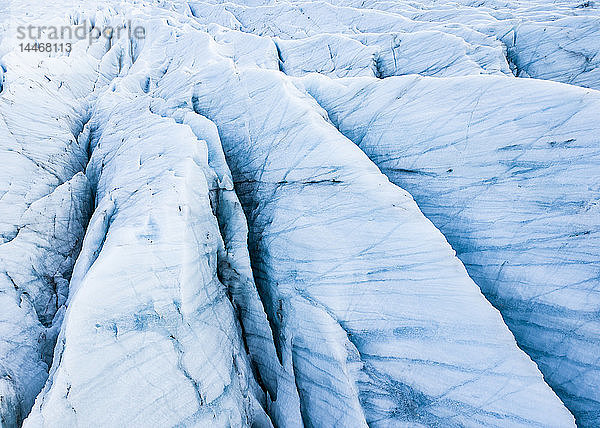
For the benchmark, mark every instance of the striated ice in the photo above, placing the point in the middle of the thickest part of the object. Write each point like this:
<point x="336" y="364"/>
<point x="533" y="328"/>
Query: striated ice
<point x="149" y="324"/>
<point x="513" y="185"/>
<point x="211" y="225"/>
<point x="294" y="172"/>
<point x="45" y="204"/>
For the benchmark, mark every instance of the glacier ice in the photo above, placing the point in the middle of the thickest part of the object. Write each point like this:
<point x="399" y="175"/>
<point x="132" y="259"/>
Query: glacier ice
<point x="214" y="225"/>
<point x="44" y="208"/>
<point x="293" y="194"/>
<point x="503" y="179"/>
<point x="149" y="324"/>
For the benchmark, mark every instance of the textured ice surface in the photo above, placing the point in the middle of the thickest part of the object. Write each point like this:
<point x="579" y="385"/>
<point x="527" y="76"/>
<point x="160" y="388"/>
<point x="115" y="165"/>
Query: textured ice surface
<point x="45" y="203"/>
<point x="149" y="326"/>
<point x="513" y="185"/>
<point x="323" y="296"/>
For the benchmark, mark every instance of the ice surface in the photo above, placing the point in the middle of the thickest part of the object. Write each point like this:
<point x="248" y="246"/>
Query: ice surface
<point x="252" y="257"/>
<point x="513" y="185"/>
<point x="45" y="204"/>
<point x="149" y="324"/>
<point x="323" y="285"/>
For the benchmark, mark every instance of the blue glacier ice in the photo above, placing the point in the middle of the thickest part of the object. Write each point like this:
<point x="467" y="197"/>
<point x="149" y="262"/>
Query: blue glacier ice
<point x="301" y="213"/>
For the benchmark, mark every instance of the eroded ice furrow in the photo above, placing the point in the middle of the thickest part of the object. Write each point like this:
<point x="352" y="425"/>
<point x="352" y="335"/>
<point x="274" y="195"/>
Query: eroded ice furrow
<point x="370" y="319"/>
<point x="429" y="53"/>
<point x="45" y="203"/>
<point x="427" y="47"/>
<point x="327" y="301"/>
<point x="543" y="43"/>
<point x="433" y="53"/>
<point x="298" y="21"/>
<point x="334" y="243"/>
<point x="560" y="43"/>
<point x="150" y="335"/>
<point x="566" y="50"/>
<point x="245" y="49"/>
<point x="331" y="55"/>
<point x="474" y="11"/>
<point x="234" y="268"/>
<point x="513" y="183"/>
<point x="36" y="266"/>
